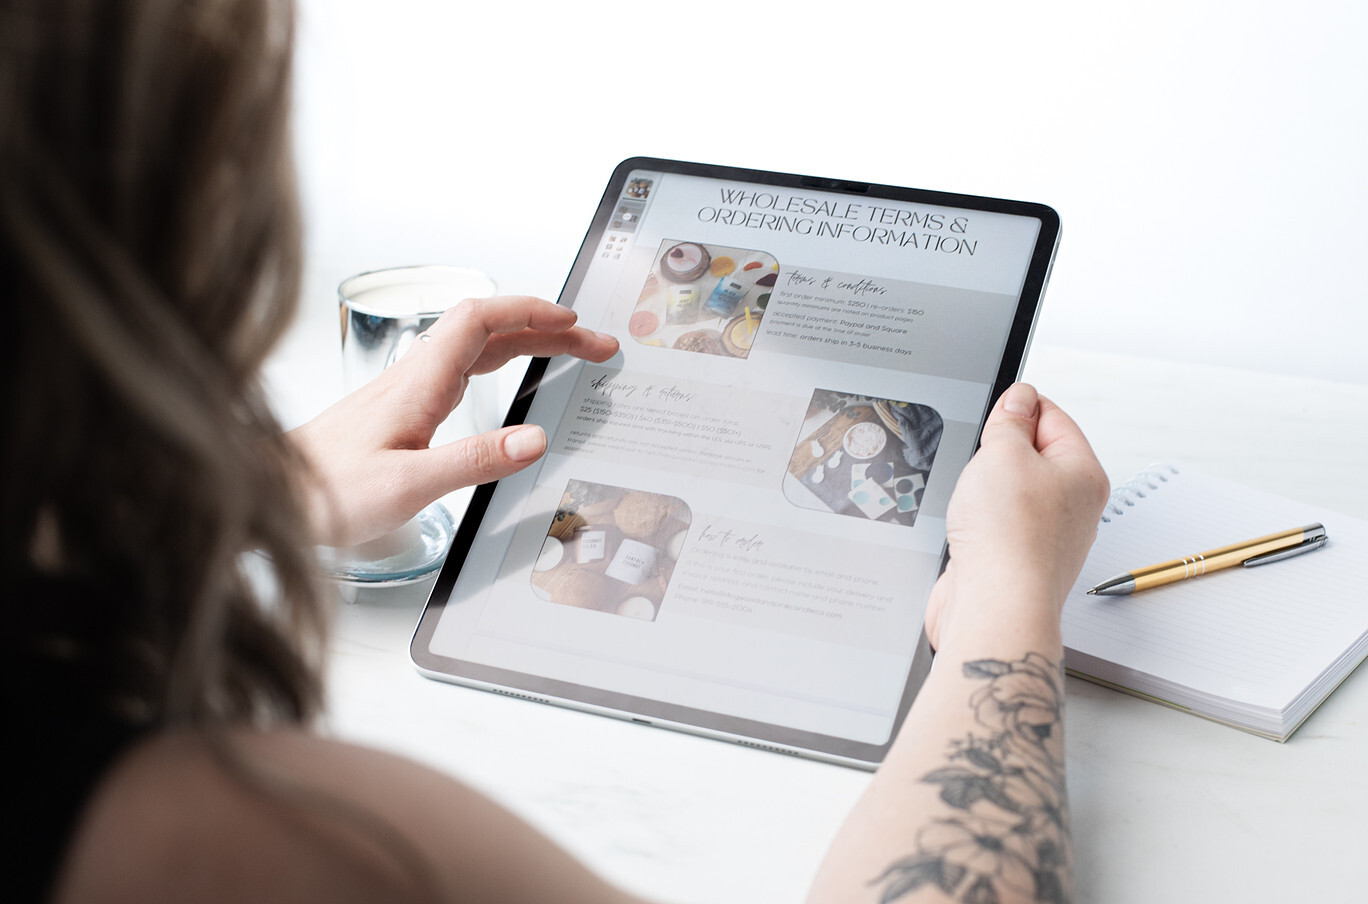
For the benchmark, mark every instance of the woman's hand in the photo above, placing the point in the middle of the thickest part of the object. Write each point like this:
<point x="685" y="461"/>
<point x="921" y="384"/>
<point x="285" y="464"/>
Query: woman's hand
<point x="371" y="466"/>
<point x="970" y="797"/>
<point x="1022" y="518"/>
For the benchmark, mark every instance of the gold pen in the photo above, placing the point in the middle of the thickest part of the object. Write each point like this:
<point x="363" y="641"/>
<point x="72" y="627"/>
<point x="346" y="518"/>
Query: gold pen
<point x="1259" y="551"/>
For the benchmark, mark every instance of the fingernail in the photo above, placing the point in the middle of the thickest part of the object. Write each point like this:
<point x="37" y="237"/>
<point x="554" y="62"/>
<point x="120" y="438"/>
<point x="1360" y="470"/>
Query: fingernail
<point x="1020" y="400"/>
<point x="525" y="444"/>
<point x="606" y="337"/>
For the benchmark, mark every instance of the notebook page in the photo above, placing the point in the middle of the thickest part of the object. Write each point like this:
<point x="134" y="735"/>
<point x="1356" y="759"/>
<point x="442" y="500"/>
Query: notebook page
<point x="1256" y="635"/>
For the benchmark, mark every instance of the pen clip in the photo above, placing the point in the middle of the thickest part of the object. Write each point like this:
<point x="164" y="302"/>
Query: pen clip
<point x="1279" y="554"/>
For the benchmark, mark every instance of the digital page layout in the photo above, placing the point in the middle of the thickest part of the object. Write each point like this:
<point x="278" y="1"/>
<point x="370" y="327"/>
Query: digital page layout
<point x="743" y="511"/>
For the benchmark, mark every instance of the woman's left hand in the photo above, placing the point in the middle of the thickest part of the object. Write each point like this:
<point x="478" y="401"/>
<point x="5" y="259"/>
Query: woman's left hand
<point x="371" y="465"/>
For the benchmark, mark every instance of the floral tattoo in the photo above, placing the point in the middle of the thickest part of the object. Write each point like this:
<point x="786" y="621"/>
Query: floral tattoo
<point x="1010" y="831"/>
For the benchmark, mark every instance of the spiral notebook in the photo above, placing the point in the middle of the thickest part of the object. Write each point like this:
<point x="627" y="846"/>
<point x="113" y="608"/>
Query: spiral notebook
<point x="1255" y="648"/>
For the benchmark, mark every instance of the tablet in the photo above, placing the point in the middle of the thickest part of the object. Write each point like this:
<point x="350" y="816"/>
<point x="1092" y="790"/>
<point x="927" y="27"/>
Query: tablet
<point x="740" y="516"/>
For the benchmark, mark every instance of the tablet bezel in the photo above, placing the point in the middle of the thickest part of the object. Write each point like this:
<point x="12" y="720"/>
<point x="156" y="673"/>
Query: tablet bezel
<point x="653" y="712"/>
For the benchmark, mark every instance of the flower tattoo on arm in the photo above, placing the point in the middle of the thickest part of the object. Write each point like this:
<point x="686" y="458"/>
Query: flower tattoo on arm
<point x="1009" y="831"/>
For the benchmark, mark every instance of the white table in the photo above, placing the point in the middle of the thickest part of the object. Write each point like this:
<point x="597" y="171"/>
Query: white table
<point x="1167" y="807"/>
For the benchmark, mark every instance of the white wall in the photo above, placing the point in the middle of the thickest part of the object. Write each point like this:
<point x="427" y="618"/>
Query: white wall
<point x="1209" y="160"/>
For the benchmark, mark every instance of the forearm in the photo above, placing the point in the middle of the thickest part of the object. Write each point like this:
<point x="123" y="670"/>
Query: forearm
<point x="971" y="798"/>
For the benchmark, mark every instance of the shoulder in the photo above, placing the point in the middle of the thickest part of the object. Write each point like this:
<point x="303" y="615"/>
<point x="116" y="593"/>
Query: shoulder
<point x="289" y="815"/>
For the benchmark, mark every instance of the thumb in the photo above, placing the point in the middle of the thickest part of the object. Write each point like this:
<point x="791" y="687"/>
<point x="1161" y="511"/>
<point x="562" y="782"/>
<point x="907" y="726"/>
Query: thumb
<point x="483" y="458"/>
<point x="1014" y="417"/>
<point x="935" y="608"/>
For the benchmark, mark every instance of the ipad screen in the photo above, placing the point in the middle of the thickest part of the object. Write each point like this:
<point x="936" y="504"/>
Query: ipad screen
<point x="741" y="515"/>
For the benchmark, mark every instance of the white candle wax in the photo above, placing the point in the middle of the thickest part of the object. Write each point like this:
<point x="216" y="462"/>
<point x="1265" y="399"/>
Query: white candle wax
<point x="409" y="299"/>
<point x="412" y="291"/>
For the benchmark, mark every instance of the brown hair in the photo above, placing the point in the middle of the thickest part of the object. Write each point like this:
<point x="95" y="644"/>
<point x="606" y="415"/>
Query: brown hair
<point x="149" y="256"/>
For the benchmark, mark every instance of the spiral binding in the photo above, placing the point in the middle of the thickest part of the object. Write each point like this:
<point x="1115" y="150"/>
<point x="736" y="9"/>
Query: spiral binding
<point x="1137" y="487"/>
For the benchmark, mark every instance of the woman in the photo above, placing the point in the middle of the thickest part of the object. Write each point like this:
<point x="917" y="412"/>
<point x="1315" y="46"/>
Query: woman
<point x="163" y="696"/>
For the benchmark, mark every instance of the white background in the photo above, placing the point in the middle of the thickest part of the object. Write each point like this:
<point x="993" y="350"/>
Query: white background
<point x="1208" y="159"/>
